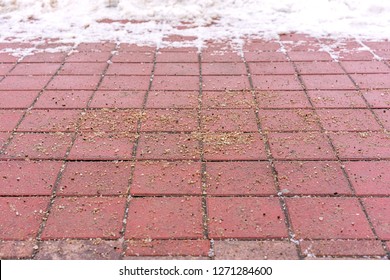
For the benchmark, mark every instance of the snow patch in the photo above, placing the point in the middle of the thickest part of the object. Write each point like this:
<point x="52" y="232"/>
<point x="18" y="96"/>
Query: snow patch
<point x="150" y="22"/>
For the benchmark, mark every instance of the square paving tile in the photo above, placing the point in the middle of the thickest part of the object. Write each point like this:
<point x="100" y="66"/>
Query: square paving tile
<point x="38" y="146"/>
<point x="362" y="67"/>
<point x="74" y="83"/>
<point x="384" y="45"/>
<point x="83" y="69"/>
<point x="15" y="83"/>
<point x="255" y="250"/>
<point x="17" y="99"/>
<point x="172" y="99"/>
<point x="164" y="146"/>
<point x="309" y="56"/>
<point x="234" y="146"/>
<point x="165" y="218"/>
<point x="133" y="57"/>
<point x="276" y="82"/>
<point x="110" y="120"/>
<point x="85" y="217"/>
<point x="362" y="145"/>
<point x="71" y="249"/>
<point x="311" y="178"/>
<point x="271" y="68"/>
<point x="68" y="99"/>
<point x="178" y="39"/>
<point x="21" y="216"/>
<point x="9" y="119"/>
<point x="245" y="217"/>
<point x="125" y="47"/>
<point x="378" y="98"/>
<point x="167" y="178"/>
<point x="100" y="56"/>
<point x="182" y="83"/>
<point x="176" y="69"/>
<point x="95" y="47"/>
<point x="355" y="56"/>
<point x="383" y="54"/>
<point x="239" y="178"/>
<point x="282" y="99"/>
<point x="28" y="177"/>
<point x="369" y="177"/>
<point x="289" y="120"/>
<point x="329" y="82"/>
<point x="102" y="146"/>
<point x="300" y="146"/>
<point x="8" y="58"/>
<point x="328" y="218"/>
<point x="178" y="57"/>
<point x="169" y="120"/>
<point x="50" y="121"/>
<point x="118" y="99"/>
<point x="178" y="49"/>
<point x="225" y="120"/>
<point x="225" y="82"/>
<point x="378" y="210"/>
<point x="235" y="68"/>
<point x="229" y="99"/>
<point x="125" y="83"/>
<point x="35" y="69"/>
<point x="15" y="250"/>
<point x="342" y="248"/>
<point x="129" y="69"/>
<point x="265" y="57"/>
<point x="45" y="57"/>
<point x="261" y="45"/>
<point x="213" y="56"/>
<point x="6" y="45"/>
<point x="319" y="67"/>
<point x="95" y="178"/>
<point x="371" y="81"/>
<point x="168" y="248"/>
<point x="348" y="120"/>
<point x="336" y="99"/>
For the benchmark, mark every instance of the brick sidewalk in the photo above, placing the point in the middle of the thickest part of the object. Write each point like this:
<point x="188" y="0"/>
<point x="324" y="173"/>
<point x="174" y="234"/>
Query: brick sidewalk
<point x="123" y="152"/>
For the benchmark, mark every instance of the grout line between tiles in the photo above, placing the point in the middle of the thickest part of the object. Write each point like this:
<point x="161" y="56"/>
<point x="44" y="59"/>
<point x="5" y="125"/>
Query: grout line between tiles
<point x="271" y="161"/>
<point x="134" y="160"/>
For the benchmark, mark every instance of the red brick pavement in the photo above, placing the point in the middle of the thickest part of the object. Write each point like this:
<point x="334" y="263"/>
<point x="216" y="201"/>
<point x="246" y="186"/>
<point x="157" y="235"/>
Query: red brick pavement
<point x="128" y="152"/>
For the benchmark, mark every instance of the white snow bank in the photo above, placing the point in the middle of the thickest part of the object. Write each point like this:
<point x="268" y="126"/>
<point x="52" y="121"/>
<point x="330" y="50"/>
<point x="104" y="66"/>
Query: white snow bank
<point x="151" y="20"/>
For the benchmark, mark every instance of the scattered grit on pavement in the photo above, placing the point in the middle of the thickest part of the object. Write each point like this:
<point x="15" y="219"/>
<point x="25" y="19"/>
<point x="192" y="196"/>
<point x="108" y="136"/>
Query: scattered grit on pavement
<point x="116" y="151"/>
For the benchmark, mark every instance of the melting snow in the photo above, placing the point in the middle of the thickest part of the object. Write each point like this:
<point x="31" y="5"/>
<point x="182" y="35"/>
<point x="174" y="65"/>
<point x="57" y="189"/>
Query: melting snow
<point x="150" y="21"/>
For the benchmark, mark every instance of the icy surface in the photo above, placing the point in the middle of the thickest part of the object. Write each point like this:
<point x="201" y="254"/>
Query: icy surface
<point x="149" y="21"/>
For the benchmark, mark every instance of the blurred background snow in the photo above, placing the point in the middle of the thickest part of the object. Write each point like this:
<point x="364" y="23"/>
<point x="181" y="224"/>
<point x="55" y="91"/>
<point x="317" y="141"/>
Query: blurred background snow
<point x="149" y="21"/>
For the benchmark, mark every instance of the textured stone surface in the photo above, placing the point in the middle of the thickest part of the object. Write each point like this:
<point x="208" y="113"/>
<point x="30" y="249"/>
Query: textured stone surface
<point x="132" y="152"/>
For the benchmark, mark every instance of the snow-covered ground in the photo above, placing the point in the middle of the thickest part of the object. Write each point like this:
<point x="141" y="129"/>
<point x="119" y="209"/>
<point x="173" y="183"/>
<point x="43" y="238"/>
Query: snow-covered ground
<point x="148" y="21"/>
